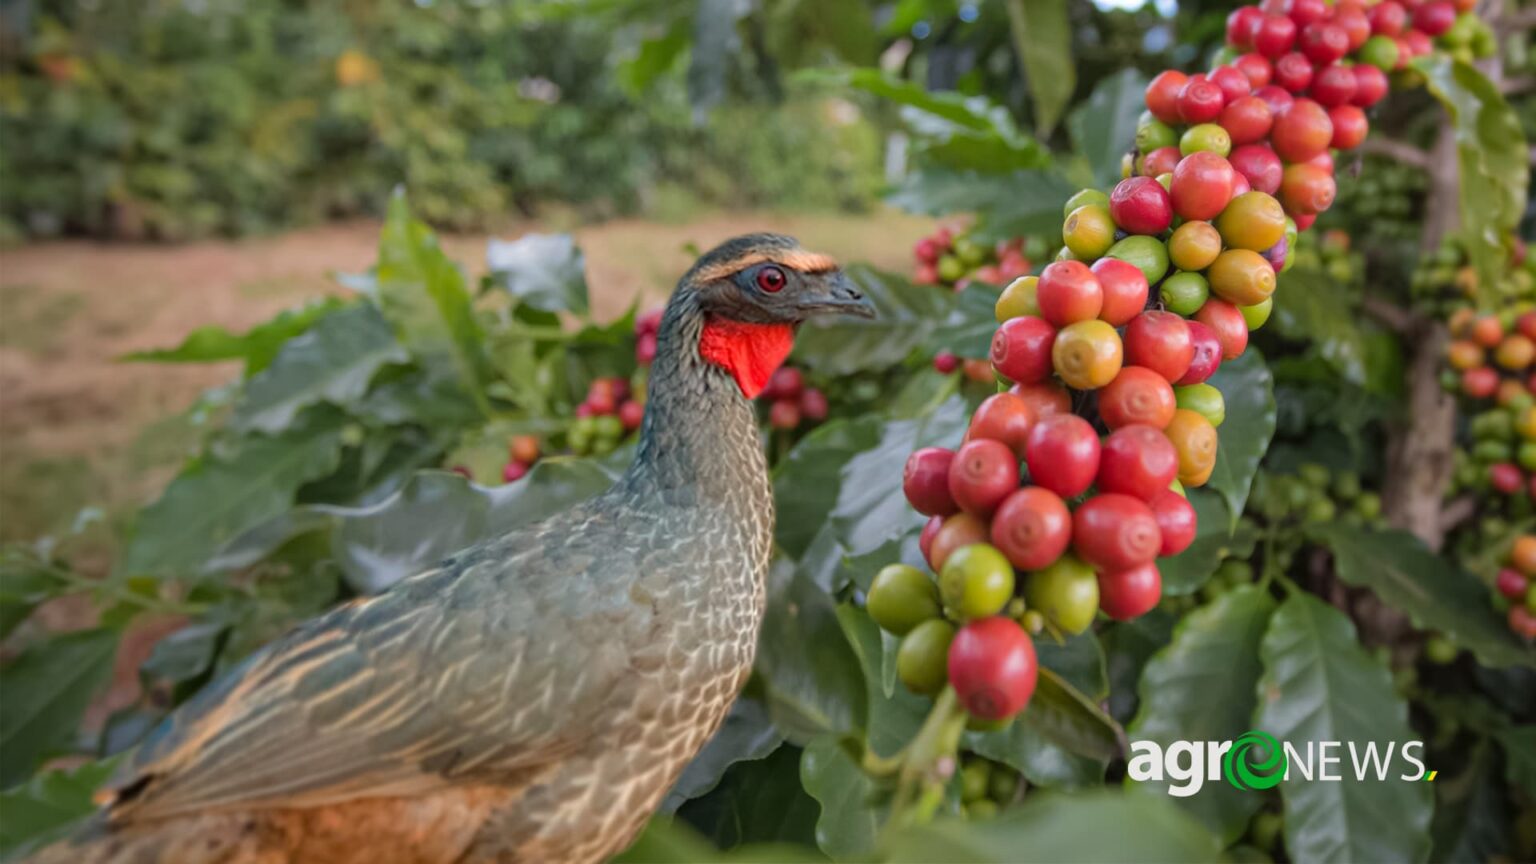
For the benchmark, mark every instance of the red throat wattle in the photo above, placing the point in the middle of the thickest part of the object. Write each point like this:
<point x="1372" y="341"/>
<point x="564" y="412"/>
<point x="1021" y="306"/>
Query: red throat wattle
<point x="750" y="352"/>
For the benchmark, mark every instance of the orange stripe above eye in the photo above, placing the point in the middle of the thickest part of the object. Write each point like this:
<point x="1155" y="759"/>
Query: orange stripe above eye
<point x="795" y="259"/>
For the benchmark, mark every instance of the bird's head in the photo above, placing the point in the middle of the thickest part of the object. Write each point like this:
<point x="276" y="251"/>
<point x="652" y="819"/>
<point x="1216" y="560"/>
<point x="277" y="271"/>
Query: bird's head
<point x="753" y="291"/>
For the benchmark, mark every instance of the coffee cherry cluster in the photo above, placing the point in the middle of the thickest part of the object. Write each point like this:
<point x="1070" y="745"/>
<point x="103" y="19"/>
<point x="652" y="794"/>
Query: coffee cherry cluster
<point x="1517" y="585"/>
<point x="951" y="257"/>
<point x="1490" y="361"/>
<point x="986" y="787"/>
<point x="791" y="402"/>
<point x="1330" y="254"/>
<point x="1036" y="521"/>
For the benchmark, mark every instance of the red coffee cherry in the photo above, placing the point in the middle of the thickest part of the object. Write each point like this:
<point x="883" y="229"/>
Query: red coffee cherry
<point x="1259" y="166"/>
<point x="1125" y="290"/>
<point x="1141" y="205"/>
<point x="1256" y="67"/>
<point x="1021" y="349"/>
<point x="1227" y="322"/>
<point x="993" y="668"/>
<point x="1176" y="520"/>
<point x="1162" y="95"/>
<point x="1068" y="292"/>
<point x="1137" y="395"/>
<point x="1200" y="100"/>
<point x="1159" y="341"/>
<point x="1115" y="532"/>
<point x="1032" y="527"/>
<point x="1137" y="460"/>
<point x="1127" y="594"/>
<point x="1247" y="120"/>
<point x="925" y="480"/>
<point x="1206" y="354"/>
<point x="1334" y="85"/>
<point x="1063" y="454"/>
<point x="1301" y="131"/>
<point x="981" y="475"/>
<point x="1005" y="418"/>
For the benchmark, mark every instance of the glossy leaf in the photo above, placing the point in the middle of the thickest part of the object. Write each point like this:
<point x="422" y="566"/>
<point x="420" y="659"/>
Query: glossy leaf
<point x="1128" y="645"/>
<point x="1249" y="391"/>
<point x="1438" y="596"/>
<point x="546" y="271"/>
<point x="967" y="332"/>
<point x="1492" y="155"/>
<point x="49" y="806"/>
<point x="1216" y="539"/>
<point x="334" y="362"/>
<point x="1320" y="685"/>
<point x="255" y="347"/>
<point x="422" y="293"/>
<point x="955" y="131"/>
<point x="810" y="674"/>
<point x="850" y="821"/>
<point x="870" y="506"/>
<point x="1007" y="205"/>
<point x="1104" y="126"/>
<point x="758" y="802"/>
<point x="670" y="841"/>
<point x="1203" y="687"/>
<point x="47" y="689"/>
<point x="805" y="481"/>
<point x="1042" y="36"/>
<point x="1519" y="743"/>
<point x="220" y="496"/>
<point x="1092" y="827"/>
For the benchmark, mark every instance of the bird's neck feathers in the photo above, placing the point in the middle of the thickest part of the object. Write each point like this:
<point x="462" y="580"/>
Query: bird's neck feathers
<point x="750" y="352"/>
<point x="699" y="441"/>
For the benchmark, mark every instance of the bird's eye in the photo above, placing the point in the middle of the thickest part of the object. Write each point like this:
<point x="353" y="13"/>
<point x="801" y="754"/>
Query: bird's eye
<point x="770" y="279"/>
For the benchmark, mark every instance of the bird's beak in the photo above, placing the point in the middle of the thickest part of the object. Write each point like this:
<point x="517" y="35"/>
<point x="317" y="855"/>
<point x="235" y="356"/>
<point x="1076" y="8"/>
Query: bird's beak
<point x="837" y="296"/>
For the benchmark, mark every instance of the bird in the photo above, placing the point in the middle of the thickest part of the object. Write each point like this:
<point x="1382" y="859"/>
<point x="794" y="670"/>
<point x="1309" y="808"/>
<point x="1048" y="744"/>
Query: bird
<point x="533" y="697"/>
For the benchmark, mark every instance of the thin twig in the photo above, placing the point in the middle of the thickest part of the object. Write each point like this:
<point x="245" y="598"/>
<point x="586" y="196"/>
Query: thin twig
<point x="1391" y="315"/>
<point x="1457" y="512"/>
<point x="1401" y="151"/>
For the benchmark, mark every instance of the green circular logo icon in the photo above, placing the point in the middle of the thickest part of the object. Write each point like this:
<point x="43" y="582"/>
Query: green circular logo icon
<point x="1244" y="768"/>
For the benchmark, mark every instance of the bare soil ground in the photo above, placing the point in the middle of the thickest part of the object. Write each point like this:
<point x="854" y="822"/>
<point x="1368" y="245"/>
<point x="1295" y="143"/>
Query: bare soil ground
<point x="79" y="428"/>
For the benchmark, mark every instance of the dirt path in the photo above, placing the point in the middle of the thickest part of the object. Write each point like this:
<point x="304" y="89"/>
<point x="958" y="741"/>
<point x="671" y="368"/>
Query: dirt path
<point x="78" y="428"/>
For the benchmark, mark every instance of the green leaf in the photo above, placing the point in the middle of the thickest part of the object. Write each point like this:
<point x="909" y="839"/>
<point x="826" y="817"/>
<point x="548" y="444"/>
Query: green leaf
<point x="745" y="735"/>
<point x="952" y="130"/>
<point x="546" y="271"/>
<point x="657" y="56"/>
<point x="670" y="841"/>
<point x="1216" y="539"/>
<point x="1472" y="822"/>
<point x="1042" y="36"/>
<point x="1492" y="156"/>
<point x="810" y="673"/>
<point x="1320" y="685"/>
<point x="49" y="806"/>
<point x="806" y="483"/>
<point x="1308" y="309"/>
<point x="1092" y="827"/>
<point x="47" y="689"/>
<point x="1203" y="687"/>
<point x="907" y="314"/>
<point x="894" y="718"/>
<point x="850" y="821"/>
<point x="1249" y="391"/>
<point x="1015" y="204"/>
<point x="222" y="495"/>
<point x="870" y="506"/>
<point x="24" y="585"/>
<point x="758" y="802"/>
<point x="1519" y="743"/>
<point x="1104" y="127"/>
<point x="1401" y="570"/>
<point x="1128" y="645"/>
<point x="1073" y="720"/>
<point x="422" y="293"/>
<point x="332" y="362"/>
<point x="256" y="346"/>
<point x="967" y="332"/>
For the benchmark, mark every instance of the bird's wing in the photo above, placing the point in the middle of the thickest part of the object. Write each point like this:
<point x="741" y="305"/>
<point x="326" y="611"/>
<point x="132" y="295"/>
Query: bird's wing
<point x="492" y="666"/>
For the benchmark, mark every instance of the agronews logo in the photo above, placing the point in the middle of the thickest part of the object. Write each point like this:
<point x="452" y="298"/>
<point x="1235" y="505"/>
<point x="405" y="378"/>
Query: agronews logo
<point x="1256" y="760"/>
<point x="1244" y="772"/>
